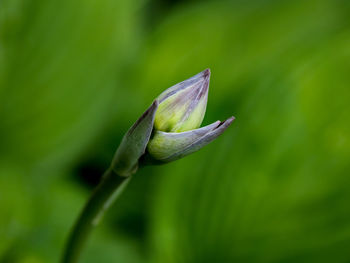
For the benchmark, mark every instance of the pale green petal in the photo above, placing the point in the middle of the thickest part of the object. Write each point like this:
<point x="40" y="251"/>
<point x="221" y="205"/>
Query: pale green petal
<point x="167" y="147"/>
<point x="163" y="144"/>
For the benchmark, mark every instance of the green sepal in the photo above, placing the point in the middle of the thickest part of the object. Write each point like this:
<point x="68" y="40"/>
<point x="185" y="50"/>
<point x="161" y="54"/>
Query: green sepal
<point x="134" y="143"/>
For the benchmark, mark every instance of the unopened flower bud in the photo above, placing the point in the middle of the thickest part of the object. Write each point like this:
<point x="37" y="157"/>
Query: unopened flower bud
<point x="179" y="115"/>
<point x="169" y="129"/>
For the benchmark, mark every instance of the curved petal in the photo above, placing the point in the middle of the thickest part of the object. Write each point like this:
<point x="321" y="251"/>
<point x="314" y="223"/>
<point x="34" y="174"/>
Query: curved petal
<point x="201" y="142"/>
<point x="164" y="144"/>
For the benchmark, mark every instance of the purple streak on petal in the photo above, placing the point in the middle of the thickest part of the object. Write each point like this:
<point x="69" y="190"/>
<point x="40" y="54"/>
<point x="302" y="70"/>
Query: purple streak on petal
<point x="197" y="132"/>
<point x="200" y="92"/>
<point x="200" y="77"/>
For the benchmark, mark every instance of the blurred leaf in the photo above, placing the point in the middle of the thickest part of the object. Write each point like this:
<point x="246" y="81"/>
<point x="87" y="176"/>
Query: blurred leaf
<point x="74" y="75"/>
<point x="60" y="81"/>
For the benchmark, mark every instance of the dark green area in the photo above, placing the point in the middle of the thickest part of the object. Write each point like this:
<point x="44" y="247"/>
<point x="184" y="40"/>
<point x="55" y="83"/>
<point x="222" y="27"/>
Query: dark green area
<point x="74" y="75"/>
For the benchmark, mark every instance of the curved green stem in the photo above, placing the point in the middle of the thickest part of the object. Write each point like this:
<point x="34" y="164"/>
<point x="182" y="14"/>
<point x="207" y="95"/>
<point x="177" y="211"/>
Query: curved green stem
<point x="103" y="196"/>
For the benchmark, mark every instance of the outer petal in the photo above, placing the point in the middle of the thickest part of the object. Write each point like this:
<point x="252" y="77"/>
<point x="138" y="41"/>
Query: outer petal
<point x="163" y="144"/>
<point x="134" y="143"/>
<point x="200" y="142"/>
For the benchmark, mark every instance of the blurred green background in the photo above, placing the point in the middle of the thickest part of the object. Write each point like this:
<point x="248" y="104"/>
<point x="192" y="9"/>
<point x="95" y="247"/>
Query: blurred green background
<point x="74" y="75"/>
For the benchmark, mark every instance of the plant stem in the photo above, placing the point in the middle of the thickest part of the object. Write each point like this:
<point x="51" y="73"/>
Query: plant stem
<point x="103" y="196"/>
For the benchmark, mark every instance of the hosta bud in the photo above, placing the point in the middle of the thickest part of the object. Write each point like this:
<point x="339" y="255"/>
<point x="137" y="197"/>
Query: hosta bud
<point x="180" y="112"/>
<point x="169" y="129"/>
<point x="182" y="107"/>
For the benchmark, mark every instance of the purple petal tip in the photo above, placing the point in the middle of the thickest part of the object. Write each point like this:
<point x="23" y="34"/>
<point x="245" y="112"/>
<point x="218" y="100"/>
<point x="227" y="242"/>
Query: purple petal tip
<point x="231" y="119"/>
<point x="206" y="73"/>
<point x="155" y="103"/>
<point x="224" y="124"/>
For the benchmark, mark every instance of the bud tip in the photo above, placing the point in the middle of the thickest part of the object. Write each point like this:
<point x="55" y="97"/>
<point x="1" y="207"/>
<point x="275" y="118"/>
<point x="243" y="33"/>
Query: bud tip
<point x="206" y="72"/>
<point x="227" y="122"/>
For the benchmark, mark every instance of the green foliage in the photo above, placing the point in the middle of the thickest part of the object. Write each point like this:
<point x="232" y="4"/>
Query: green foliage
<point x="74" y="75"/>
